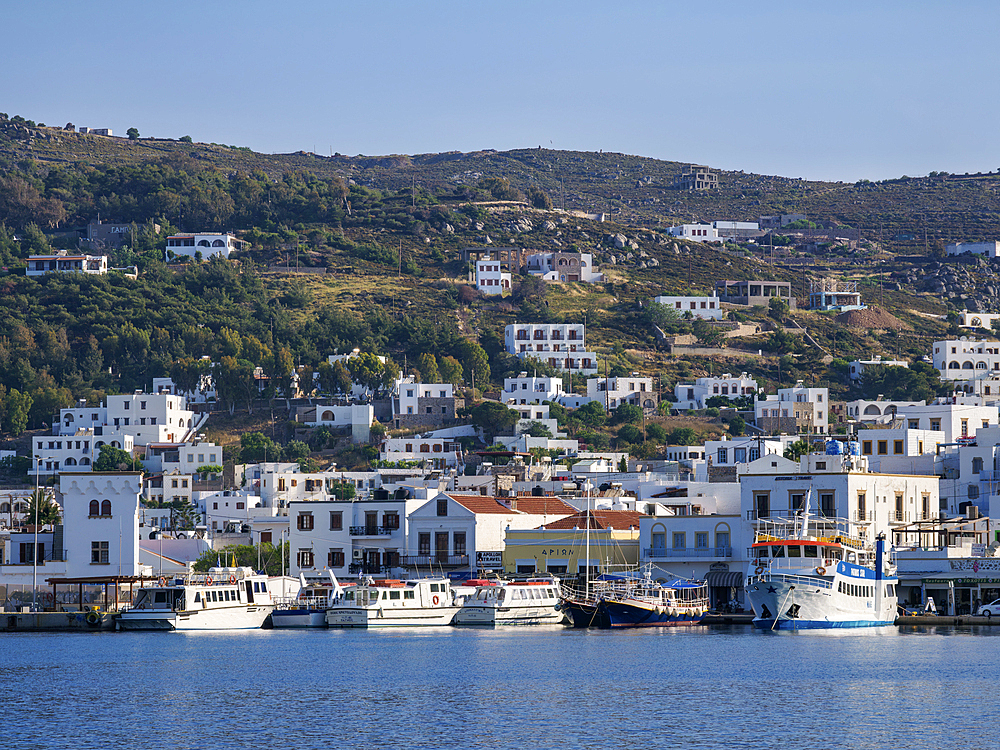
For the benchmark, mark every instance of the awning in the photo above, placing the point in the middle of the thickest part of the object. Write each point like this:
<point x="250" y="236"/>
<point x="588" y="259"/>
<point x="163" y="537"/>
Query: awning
<point x="724" y="579"/>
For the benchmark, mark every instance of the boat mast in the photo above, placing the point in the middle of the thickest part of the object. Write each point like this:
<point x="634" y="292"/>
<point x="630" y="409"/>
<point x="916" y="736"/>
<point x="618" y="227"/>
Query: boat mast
<point x="588" y="540"/>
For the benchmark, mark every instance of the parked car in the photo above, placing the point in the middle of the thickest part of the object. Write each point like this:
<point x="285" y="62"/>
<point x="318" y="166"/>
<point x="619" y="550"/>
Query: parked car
<point x="988" y="610"/>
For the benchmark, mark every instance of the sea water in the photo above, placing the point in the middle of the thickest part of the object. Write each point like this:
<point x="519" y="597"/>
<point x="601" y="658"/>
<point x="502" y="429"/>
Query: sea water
<point x="524" y="688"/>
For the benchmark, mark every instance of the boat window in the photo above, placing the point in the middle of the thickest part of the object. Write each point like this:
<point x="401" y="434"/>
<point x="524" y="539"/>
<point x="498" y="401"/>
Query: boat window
<point x="778" y="550"/>
<point x="197" y="596"/>
<point x="840" y="587"/>
<point x="409" y="594"/>
<point x="160" y="597"/>
<point x="501" y="595"/>
<point x="434" y="588"/>
<point x="263" y="587"/>
<point x="811" y="550"/>
<point x="349" y="596"/>
<point x="760" y="552"/>
<point x="551" y="593"/>
<point x="394" y="595"/>
<point x="851" y="557"/>
<point x="794" y="550"/>
<point x="535" y="594"/>
<point x="515" y="594"/>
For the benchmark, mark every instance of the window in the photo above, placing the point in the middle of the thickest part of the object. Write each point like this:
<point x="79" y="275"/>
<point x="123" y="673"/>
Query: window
<point x="442" y="506"/>
<point x="424" y="543"/>
<point x="973" y="491"/>
<point x="701" y="540"/>
<point x="827" y="504"/>
<point x="721" y="540"/>
<point x="240" y="506"/>
<point x="95" y="508"/>
<point x="305" y="558"/>
<point x="680" y="541"/>
<point x="304" y="522"/>
<point x="722" y="455"/>
<point x="796" y="501"/>
<point x="98" y="553"/>
<point x="866" y="447"/>
<point x="977" y="465"/>
<point x="935" y="424"/>
<point x="739" y="455"/>
<point x="883" y="447"/>
<point x="336" y="520"/>
<point x="335" y="558"/>
<point x="105" y="507"/>
<point x="897" y="447"/>
<point x="762" y="504"/>
<point x="390" y="520"/>
<point x="458" y="542"/>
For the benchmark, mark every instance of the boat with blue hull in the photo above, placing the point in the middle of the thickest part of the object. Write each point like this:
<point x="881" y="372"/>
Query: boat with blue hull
<point x="649" y="604"/>
<point x="816" y="574"/>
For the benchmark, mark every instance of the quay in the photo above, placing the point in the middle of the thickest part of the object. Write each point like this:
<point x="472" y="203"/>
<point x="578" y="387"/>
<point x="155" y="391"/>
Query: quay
<point x="30" y="622"/>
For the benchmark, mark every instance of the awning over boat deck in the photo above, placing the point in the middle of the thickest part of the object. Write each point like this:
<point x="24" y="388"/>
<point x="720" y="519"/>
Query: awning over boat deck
<point x="724" y="578"/>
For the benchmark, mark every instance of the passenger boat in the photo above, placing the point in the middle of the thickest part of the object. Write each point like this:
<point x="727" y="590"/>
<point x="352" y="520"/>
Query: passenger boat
<point x="225" y="598"/>
<point x="805" y="574"/>
<point x="647" y="603"/>
<point x="387" y="603"/>
<point x="308" y="608"/>
<point x="531" y="602"/>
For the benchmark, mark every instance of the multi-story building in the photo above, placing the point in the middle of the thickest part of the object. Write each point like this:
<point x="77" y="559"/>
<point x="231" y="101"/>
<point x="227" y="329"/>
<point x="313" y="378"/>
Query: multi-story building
<point x="694" y="395"/>
<point x="563" y="266"/>
<point x="493" y="276"/>
<point x="147" y="417"/>
<point x="613" y="392"/>
<point x="437" y="452"/>
<point x="63" y="262"/>
<point x="858" y="366"/>
<point x="834" y="294"/>
<point x="358" y="418"/>
<point x="958" y="416"/>
<point x="977" y="320"/>
<point x="966" y="359"/>
<point x="704" y="308"/>
<point x="696" y="177"/>
<point x="798" y="409"/>
<point x="204" y="243"/>
<point x="422" y="404"/>
<point x="100" y="524"/>
<point x="755" y="292"/>
<point x="77" y="451"/>
<point x="562" y="345"/>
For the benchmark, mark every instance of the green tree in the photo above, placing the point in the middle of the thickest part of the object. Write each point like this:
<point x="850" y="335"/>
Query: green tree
<point x="133" y="134"/>
<point x="494" y="418"/>
<point x="627" y="414"/>
<point x="451" y="370"/>
<point x="184" y="516"/>
<point x="591" y="414"/>
<point x="537" y="430"/>
<point x="49" y="511"/>
<point x="273" y="559"/>
<point x="656" y="433"/>
<point x="15" y="409"/>
<point x="186" y="139"/>
<point x="115" y="459"/>
<point x="623" y="465"/>
<point x="707" y="333"/>
<point x="777" y="308"/>
<point x="280" y="369"/>
<point x="256" y="447"/>
<point x="796" y="450"/>
<point x="295" y="450"/>
<point x="682" y="436"/>
<point x="475" y="363"/>
<point x="427" y="366"/>
<point x="342" y="490"/>
<point x="206" y="469"/>
<point x="367" y="370"/>
<point x="629" y="433"/>
<point x="539" y="198"/>
<point x="737" y="426"/>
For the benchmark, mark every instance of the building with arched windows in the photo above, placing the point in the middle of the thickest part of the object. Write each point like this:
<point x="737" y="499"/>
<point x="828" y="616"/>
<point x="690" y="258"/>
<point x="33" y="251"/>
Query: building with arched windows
<point x="966" y="358"/>
<point x="190" y="245"/>
<point x="564" y="267"/>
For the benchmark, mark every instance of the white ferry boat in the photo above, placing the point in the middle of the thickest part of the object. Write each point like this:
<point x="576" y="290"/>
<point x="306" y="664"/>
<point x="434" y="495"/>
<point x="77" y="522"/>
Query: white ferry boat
<point x="531" y="602"/>
<point x="824" y="579"/>
<point x="222" y="599"/>
<point x="391" y="603"/>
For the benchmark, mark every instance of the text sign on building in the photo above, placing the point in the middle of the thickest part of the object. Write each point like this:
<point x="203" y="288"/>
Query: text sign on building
<point x="489" y="559"/>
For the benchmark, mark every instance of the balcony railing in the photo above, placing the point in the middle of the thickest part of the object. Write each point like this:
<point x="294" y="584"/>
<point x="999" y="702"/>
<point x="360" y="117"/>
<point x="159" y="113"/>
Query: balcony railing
<point x="434" y="561"/>
<point x="355" y="568"/>
<point x="371" y="531"/>
<point x="653" y="553"/>
<point x="864" y="516"/>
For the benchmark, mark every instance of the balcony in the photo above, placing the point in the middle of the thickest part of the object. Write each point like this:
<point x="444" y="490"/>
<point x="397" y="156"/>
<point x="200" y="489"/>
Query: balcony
<point x="654" y="553"/>
<point x="371" y="531"/>
<point x="434" y="561"/>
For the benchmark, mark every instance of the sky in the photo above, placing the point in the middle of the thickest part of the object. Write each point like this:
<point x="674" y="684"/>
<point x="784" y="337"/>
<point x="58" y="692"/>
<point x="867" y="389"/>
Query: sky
<point x="826" y="91"/>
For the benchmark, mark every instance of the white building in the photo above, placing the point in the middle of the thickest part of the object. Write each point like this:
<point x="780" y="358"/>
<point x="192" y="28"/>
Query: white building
<point x="207" y="244"/>
<point x="901" y="450"/>
<point x="147" y="417"/>
<point x="633" y="389"/>
<point x="966" y="359"/>
<point x="956" y="416"/>
<point x="694" y="395"/>
<point x="100" y="524"/>
<point x="63" y="262"/>
<point x="203" y="394"/>
<point x="492" y="276"/>
<point x="737" y="230"/>
<point x="357" y="418"/>
<point x="989" y="249"/>
<point x="704" y="308"/>
<point x="978" y="320"/>
<point x="696" y="232"/>
<point x="438" y="452"/>
<point x="562" y="345"/>
<point x="563" y="266"/>
<point x="798" y="409"/>
<point x="857" y="367"/>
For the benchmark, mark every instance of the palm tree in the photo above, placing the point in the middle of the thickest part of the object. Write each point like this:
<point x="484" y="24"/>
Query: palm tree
<point x="49" y="511"/>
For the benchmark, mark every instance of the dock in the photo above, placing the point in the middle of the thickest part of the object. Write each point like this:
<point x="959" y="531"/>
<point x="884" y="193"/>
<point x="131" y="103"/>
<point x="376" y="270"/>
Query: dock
<point x="37" y="622"/>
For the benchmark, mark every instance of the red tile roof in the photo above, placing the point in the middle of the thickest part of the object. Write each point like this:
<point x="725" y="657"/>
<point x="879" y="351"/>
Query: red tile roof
<point x="600" y="519"/>
<point x="481" y="503"/>
<point x="525" y="504"/>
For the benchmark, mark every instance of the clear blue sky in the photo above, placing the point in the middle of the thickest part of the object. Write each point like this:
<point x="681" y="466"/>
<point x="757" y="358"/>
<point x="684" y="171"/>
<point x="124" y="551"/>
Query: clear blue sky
<point x="839" y="90"/>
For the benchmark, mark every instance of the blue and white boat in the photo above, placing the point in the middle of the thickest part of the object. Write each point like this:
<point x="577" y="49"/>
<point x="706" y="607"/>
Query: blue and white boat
<point x="307" y="609"/>
<point x="813" y="573"/>
<point x="647" y="603"/>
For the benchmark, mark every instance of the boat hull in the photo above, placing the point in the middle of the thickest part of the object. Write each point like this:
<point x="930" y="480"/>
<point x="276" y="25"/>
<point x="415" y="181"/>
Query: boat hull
<point x="801" y="602"/>
<point x="229" y="618"/>
<point x="495" y="616"/>
<point x="298" y="618"/>
<point x="586" y="614"/>
<point x="370" y="617"/>
<point x="640" y="615"/>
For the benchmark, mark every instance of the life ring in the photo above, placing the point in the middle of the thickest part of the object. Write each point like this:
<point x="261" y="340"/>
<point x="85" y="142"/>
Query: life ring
<point x="759" y="570"/>
<point x="232" y="579"/>
<point x="208" y="581"/>
<point x="436" y="601"/>
<point x="93" y="618"/>
<point x="821" y="571"/>
<point x="162" y="581"/>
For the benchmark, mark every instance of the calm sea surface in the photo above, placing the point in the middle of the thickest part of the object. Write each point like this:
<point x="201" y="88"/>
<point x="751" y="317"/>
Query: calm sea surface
<point x="520" y="688"/>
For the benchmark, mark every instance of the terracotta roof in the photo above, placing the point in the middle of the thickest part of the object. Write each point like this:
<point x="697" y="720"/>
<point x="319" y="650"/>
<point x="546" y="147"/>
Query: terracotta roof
<point x="542" y="506"/>
<point x="481" y="504"/>
<point x="600" y="519"/>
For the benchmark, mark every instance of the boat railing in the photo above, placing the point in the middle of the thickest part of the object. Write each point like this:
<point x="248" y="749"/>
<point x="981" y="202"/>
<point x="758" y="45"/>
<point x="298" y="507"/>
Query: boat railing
<point x="811" y="581"/>
<point x="294" y="602"/>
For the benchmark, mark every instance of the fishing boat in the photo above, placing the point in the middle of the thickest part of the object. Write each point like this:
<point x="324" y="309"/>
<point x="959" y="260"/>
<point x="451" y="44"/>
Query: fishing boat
<point x="648" y="603"/>
<point x="225" y="598"/>
<point x="814" y="573"/>
<point x="531" y="602"/>
<point x="307" y="609"/>
<point x="391" y="603"/>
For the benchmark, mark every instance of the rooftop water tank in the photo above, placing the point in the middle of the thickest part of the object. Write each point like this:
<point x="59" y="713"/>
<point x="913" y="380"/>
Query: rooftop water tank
<point x="834" y="448"/>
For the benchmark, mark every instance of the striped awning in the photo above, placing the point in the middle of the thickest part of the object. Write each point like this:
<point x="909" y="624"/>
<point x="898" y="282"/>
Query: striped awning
<point x="724" y="579"/>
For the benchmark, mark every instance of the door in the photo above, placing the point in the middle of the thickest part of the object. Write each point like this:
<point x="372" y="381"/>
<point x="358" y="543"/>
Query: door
<point x="372" y="561"/>
<point x="371" y="523"/>
<point x="441" y="546"/>
<point x="249" y="585"/>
